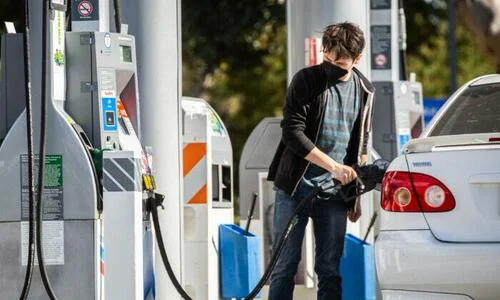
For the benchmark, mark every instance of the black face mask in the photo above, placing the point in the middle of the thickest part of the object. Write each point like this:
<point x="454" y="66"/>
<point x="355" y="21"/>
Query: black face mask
<point x="333" y="72"/>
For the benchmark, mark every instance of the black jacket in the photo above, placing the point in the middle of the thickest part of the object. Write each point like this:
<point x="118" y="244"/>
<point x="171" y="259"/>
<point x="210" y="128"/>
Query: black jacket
<point x="303" y="112"/>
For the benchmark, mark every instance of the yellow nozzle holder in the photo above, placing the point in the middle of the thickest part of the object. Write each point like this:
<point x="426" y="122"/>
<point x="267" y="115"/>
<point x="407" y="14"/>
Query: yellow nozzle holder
<point x="148" y="182"/>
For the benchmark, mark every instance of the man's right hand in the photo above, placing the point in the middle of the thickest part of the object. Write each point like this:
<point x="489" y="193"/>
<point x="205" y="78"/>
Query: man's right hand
<point x="343" y="173"/>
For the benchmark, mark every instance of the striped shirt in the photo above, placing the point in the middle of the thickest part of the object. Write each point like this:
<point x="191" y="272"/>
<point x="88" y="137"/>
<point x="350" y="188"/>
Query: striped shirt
<point x="342" y="109"/>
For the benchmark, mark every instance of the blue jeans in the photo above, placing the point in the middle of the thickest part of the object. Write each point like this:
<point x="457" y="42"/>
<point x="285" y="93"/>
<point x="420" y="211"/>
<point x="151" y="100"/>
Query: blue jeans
<point x="329" y="222"/>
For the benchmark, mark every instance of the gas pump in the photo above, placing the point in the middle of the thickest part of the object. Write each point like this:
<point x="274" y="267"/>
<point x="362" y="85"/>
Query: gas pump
<point x="398" y="110"/>
<point x="72" y="223"/>
<point x="94" y="165"/>
<point x="208" y="194"/>
<point x="103" y="99"/>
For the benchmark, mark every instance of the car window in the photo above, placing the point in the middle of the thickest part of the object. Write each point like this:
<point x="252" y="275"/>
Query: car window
<point x="476" y="110"/>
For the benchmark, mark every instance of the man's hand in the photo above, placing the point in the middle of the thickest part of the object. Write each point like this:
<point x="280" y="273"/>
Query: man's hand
<point x="355" y="213"/>
<point x="343" y="173"/>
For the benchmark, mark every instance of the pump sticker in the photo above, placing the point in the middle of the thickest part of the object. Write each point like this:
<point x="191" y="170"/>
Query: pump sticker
<point x="53" y="209"/>
<point x="58" y="56"/>
<point x="53" y="205"/>
<point x="380" y="4"/>
<point x="403" y="138"/>
<point x="195" y="173"/>
<point x="52" y="239"/>
<point x="121" y="175"/>
<point x="108" y="94"/>
<point x="109" y="114"/>
<point x="86" y="10"/>
<point x="216" y="124"/>
<point x="107" y="40"/>
<point x="381" y="47"/>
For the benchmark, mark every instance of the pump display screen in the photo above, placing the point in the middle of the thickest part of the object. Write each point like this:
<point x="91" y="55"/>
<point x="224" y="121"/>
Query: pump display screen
<point x="126" y="53"/>
<point x="416" y="97"/>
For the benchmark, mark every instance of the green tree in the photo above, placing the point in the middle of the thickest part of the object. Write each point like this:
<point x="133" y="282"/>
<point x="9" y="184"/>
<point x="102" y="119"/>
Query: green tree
<point x="234" y="56"/>
<point x="427" y="48"/>
<point x="229" y="33"/>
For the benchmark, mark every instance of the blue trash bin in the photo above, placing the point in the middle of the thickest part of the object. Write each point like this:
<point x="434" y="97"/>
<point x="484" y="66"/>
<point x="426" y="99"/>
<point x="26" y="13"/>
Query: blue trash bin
<point x="239" y="258"/>
<point x="357" y="268"/>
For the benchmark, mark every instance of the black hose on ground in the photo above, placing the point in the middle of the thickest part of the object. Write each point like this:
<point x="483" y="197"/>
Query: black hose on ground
<point x="152" y="206"/>
<point x="281" y="244"/>
<point x="368" y="177"/>
<point x="29" y="136"/>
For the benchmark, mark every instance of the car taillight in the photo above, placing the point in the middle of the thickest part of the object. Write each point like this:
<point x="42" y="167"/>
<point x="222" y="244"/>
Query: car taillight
<point x="426" y="194"/>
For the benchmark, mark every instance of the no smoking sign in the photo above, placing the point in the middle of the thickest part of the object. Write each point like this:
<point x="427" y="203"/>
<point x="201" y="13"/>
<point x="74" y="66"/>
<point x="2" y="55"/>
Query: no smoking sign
<point x="380" y="60"/>
<point x="85" y="8"/>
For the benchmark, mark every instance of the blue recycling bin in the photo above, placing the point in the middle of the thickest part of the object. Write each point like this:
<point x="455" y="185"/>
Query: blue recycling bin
<point x="239" y="258"/>
<point x="357" y="268"/>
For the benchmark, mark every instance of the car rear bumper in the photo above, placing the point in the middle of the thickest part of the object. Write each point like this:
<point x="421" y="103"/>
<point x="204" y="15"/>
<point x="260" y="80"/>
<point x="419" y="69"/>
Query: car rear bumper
<point x="415" y="261"/>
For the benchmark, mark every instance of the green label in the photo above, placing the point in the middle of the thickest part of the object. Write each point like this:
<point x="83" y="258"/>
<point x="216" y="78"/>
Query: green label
<point x="53" y="207"/>
<point x="53" y="171"/>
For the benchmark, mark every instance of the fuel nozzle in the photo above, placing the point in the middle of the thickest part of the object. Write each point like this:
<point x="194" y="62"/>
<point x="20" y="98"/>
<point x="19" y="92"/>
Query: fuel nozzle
<point x="368" y="178"/>
<point x="154" y="200"/>
<point x="372" y="174"/>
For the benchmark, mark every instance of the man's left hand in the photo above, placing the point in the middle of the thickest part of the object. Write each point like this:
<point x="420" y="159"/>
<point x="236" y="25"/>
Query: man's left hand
<point x="355" y="213"/>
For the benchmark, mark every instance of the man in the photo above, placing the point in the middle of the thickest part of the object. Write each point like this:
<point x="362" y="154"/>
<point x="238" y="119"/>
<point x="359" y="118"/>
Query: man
<point x="326" y="124"/>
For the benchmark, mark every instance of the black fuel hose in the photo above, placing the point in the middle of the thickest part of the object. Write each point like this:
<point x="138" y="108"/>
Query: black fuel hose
<point x="153" y="203"/>
<point x="281" y="243"/>
<point x="274" y="260"/>
<point x="29" y="136"/>
<point x="43" y="130"/>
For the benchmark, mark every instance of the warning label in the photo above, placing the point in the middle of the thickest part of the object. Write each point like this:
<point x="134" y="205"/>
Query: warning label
<point x="52" y="240"/>
<point x="53" y="208"/>
<point x="381" y="47"/>
<point x="85" y="10"/>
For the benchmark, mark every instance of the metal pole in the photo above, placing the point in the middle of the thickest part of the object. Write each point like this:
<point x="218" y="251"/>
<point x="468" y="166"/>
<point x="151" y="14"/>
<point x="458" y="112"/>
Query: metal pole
<point x="306" y="19"/>
<point x="156" y="27"/>
<point x="452" y="45"/>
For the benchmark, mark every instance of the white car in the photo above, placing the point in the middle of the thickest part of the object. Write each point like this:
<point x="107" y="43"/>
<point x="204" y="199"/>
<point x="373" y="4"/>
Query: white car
<point x="440" y="219"/>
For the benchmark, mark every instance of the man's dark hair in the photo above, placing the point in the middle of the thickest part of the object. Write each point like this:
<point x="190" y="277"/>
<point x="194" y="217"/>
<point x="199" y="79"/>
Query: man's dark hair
<point x="345" y="39"/>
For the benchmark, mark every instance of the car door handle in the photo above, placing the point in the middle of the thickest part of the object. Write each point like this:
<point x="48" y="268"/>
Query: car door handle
<point x="485" y="178"/>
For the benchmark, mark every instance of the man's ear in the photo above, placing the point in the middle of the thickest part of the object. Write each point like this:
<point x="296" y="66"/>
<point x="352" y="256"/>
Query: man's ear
<point x="356" y="61"/>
